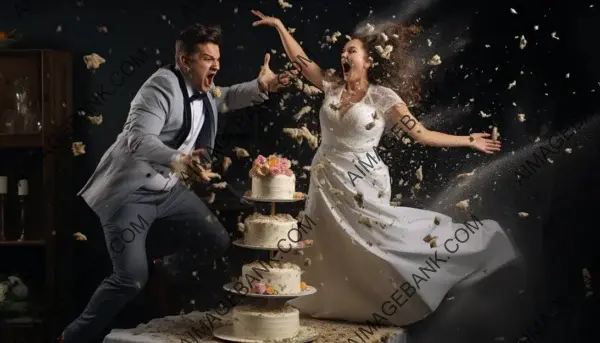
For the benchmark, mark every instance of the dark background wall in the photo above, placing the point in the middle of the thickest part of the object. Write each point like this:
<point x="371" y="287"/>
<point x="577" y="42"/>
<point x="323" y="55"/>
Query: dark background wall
<point x="479" y="45"/>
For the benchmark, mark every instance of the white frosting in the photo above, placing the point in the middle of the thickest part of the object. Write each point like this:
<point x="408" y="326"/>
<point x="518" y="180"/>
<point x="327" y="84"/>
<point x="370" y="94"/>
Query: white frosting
<point x="283" y="277"/>
<point x="265" y="324"/>
<point x="276" y="231"/>
<point x="274" y="187"/>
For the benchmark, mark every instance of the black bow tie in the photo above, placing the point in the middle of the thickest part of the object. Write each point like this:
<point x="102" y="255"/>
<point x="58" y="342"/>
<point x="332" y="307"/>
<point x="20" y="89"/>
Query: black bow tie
<point x="197" y="95"/>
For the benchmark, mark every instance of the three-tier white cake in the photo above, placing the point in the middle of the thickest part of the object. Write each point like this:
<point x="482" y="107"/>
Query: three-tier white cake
<point x="272" y="181"/>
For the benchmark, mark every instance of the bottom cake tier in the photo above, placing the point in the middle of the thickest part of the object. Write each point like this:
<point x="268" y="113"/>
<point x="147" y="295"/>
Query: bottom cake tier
<point x="252" y="322"/>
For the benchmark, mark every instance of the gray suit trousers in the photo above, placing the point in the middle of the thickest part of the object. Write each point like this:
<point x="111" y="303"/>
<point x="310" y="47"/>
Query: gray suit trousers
<point x="185" y="219"/>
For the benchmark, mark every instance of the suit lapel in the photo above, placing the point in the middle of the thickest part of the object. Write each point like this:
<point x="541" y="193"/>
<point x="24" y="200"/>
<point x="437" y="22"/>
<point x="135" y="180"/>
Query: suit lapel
<point x="215" y="117"/>
<point x="187" y="112"/>
<point x="206" y="138"/>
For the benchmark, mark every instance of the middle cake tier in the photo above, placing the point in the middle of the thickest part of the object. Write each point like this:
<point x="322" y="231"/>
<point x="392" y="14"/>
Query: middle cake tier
<point x="270" y="231"/>
<point x="273" y="277"/>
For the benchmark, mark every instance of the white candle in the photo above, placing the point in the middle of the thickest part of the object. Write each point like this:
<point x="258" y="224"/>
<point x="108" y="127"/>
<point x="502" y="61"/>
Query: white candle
<point x="3" y="184"/>
<point x="23" y="187"/>
<point x="495" y="134"/>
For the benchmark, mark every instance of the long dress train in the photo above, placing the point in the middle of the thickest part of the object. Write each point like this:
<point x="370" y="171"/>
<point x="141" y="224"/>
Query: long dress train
<point x="370" y="260"/>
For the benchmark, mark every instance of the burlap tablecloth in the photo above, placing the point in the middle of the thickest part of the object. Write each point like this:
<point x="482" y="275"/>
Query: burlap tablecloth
<point x="196" y="327"/>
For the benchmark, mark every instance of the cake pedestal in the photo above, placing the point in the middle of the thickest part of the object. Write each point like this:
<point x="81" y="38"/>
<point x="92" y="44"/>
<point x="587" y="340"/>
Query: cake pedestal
<point x="268" y="301"/>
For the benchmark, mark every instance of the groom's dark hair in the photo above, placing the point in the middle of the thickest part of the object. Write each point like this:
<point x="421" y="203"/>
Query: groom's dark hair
<point x="198" y="34"/>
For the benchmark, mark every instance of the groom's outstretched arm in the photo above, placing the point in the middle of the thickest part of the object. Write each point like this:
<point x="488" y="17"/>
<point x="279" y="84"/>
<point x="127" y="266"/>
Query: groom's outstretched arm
<point x="239" y="96"/>
<point x="147" y="117"/>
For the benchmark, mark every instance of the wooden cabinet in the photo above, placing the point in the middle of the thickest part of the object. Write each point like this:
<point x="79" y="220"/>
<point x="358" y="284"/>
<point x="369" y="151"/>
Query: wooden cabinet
<point x="41" y="155"/>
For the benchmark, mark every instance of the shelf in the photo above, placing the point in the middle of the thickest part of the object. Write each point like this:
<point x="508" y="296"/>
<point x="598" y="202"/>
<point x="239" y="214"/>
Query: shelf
<point x="50" y="76"/>
<point x="26" y="243"/>
<point x="21" y="140"/>
<point x="21" y="321"/>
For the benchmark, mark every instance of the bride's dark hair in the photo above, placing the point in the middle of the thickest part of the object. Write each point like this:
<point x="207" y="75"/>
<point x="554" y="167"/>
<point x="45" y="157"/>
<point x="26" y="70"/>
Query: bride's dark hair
<point x="398" y="71"/>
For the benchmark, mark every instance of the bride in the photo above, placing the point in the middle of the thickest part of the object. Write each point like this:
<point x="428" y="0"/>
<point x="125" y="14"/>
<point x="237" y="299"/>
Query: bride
<point x="372" y="261"/>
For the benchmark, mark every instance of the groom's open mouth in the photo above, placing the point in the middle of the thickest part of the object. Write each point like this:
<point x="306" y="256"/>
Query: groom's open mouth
<point x="211" y="77"/>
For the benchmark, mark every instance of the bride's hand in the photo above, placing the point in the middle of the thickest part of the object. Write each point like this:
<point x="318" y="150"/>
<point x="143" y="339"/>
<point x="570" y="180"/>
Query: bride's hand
<point x="264" y="20"/>
<point x="483" y="144"/>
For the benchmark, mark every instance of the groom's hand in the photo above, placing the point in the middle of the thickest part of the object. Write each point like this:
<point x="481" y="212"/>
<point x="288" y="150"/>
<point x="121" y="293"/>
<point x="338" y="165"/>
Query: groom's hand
<point x="197" y="167"/>
<point x="269" y="81"/>
<point x="190" y="166"/>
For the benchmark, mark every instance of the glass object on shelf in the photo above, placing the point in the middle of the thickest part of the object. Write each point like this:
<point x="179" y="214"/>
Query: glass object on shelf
<point x="8" y="122"/>
<point x="26" y="110"/>
<point x="3" y="192"/>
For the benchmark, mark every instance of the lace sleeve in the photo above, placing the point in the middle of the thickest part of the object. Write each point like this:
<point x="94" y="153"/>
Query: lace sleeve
<point x="386" y="99"/>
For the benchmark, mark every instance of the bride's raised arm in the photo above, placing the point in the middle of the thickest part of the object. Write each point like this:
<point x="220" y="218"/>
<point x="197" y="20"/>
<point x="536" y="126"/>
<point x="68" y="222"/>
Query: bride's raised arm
<point x="311" y="71"/>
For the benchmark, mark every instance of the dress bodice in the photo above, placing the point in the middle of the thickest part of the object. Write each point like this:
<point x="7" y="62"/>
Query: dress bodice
<point x="361" y="126"/>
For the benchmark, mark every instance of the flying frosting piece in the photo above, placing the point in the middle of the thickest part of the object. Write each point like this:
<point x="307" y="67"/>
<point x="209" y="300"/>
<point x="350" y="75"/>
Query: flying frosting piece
<point x="93" y="61"/>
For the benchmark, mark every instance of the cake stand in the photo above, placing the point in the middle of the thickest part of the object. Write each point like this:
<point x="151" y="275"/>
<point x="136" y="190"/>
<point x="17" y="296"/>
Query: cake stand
<point x="275" y="301"/>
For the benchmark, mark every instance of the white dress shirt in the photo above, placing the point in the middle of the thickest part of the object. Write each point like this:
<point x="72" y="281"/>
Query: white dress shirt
<point x="165" y="182"/>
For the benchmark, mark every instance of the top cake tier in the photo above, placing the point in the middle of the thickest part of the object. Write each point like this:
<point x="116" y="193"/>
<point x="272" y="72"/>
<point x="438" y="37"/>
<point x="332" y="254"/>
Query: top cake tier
<point x="272" y="178"/>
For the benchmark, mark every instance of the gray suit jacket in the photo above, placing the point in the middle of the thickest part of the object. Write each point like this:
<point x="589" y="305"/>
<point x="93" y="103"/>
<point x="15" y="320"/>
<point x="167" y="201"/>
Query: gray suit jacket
<point x="142" y="149"/>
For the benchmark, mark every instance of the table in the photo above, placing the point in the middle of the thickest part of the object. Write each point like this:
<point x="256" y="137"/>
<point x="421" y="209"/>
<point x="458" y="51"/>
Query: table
<point x="195" y="327"/>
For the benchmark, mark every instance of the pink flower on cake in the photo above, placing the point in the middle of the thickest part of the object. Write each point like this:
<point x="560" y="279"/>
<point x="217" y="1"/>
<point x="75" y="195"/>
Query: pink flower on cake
<point x="275" y="171"/>
<point x="260" y="159"/>
<point x="271" y="166"/>
<point x="259" y="287"/>
<point x="285" y="163"/>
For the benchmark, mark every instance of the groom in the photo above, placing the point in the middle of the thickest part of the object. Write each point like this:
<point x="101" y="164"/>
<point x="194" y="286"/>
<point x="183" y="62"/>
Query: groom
<point x="173" y="118"/>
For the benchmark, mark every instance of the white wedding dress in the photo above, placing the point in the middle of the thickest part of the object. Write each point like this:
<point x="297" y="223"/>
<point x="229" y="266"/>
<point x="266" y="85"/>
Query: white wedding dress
<point x="369" y="261"/>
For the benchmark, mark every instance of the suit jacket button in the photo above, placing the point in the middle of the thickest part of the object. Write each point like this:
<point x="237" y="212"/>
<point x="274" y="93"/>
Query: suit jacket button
<point x="148" y="175"/>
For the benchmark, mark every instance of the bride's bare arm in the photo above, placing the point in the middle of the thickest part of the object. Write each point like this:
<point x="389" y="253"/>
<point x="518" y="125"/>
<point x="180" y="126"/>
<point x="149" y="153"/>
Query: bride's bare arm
<point x="401" y="117"/>
<point x="311" y="71"/>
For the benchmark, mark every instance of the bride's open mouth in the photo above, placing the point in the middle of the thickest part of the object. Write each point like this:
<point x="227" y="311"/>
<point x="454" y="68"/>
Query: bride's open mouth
<point x="345" y="67"/>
